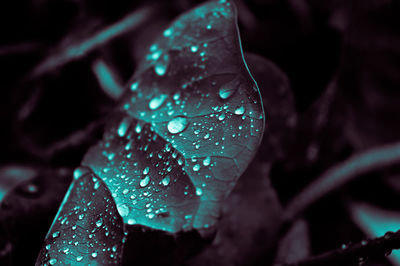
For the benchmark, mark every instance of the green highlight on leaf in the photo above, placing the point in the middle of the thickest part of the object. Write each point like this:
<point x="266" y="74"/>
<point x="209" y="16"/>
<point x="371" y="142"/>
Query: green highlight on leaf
<point x="191" y="121"/>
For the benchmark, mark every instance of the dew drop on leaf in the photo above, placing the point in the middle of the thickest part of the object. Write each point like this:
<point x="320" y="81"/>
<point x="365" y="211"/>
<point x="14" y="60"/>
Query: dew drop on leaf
<point x="239" y="110"/>
<point x="196" y="167"/>
<point x="157" y="101"/>
<point x="99" y="222"/>
<point x="194" y="48"/>
<point x="123" y="127"/>
<point x="145" y="181"/>
<point x="165" y="181"/>
<point x="199" y="191"/>
<point x="226" y="92"/>
<point x="146" y="170"/>
<point x="134" y="86"/>
<point x="56" y="234"/>
<point x="123" y="210"/>
<point x="138" y="128"/>
<point x="177" y="125"/>
<point x="207" y="161"/>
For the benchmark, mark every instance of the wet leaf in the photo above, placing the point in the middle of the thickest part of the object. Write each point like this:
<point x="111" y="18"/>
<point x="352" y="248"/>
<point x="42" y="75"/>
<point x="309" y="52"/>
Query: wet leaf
<point x="186" y="128"/>
<point x="87" y="228"/>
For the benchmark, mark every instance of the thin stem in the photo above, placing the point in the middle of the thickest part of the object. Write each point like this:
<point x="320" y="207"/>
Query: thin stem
<point x="356" y="253"/>
<point x="342" y="174"/>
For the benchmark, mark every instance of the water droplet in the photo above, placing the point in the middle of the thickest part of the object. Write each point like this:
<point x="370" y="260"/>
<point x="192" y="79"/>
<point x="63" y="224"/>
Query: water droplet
<point x="80" y="171"/>
<point x="53" y="261"/>
<point x="177" y="125"/>
<point x="226" y="92"/>
<point x="31" y="188"/>
<point x="110" y="156"/>
<point x="209" y="27"/>
<point x="168" y="32"/>
<point x="207" y="136"/>
<point x="196" y="167"/>
<point x="239" y="110"/>
<point x="207" y="161"/>
<point x="123" y="127"/>
<point x="166" y="180"/>
<point x="79" y="258"/>
<point x="99" y="222"/>
<point x="125" y="191"/>
<point x="48" y="246"/>
<point x="155" y="55"/>
<point x="194" y="48"/>
<point x="176" y="96"/>
<point x="94" y="255"/>
<point x="114" y="248"/>
<point x="138" y="128"/>
<point x="96" y="185"/>
<point x="157" y="101"/>
<point x="199" y="191"/>
<point x="221" y="117"/>
<point x="56" y="234"/>
<point x="134" y="86"/>
<point x="123" y="210"/>
<point x="146" y="170"/>
<point x="160" y="69"/>
<point x="145" y="181"/>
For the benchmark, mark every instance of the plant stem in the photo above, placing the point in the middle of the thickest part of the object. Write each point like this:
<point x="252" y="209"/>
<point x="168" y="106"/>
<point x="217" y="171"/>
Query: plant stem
<point x="358" y="253"/>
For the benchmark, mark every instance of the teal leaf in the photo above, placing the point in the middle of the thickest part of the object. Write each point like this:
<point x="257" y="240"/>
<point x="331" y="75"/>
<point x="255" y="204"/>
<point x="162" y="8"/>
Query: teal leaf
<point x="187" y="127"/>
<point x="87" y="229"/>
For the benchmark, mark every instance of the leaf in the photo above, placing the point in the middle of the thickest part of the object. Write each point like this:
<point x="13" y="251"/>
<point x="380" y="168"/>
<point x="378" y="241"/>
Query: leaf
<point x="249" y="224"/>
<point x="186" y="129"/>
<point x="278" y="103"/>
<point x="87" y="228"/>
<point x="295" y="245"/>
